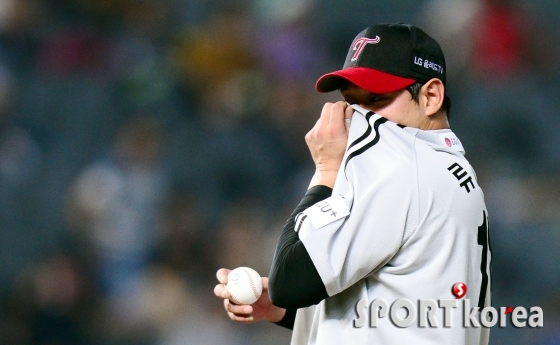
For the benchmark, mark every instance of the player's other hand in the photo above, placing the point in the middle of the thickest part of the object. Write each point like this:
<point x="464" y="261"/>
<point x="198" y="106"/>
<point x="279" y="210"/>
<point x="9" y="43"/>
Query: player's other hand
<point x="262" y="309"/>
<point x="327" y="142"/>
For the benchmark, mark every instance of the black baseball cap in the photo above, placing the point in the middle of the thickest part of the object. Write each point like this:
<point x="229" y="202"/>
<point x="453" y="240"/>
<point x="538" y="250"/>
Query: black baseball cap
<point x="385" y="58"/>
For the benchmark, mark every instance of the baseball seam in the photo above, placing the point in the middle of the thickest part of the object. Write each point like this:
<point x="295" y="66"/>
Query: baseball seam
<point x="253" y="287"/>
<point x="235" y="300"/>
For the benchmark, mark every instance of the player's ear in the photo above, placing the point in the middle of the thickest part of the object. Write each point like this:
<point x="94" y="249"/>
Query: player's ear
<point x="433" y="93"/>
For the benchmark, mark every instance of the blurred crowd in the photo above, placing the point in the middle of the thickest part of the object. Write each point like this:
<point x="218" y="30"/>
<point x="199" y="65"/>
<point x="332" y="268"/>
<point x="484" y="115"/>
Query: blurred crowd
<point x="145" y="144"/>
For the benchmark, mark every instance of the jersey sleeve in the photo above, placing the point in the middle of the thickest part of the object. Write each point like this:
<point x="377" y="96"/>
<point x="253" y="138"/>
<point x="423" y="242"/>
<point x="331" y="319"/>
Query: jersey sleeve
<point x="374" y="202"/>
<point x="293" y="281"/>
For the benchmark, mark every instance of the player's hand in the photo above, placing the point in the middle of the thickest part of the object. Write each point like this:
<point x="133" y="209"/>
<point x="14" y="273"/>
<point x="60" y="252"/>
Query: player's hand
<point x="327" y="142"/>
<point x="262" y="309"/>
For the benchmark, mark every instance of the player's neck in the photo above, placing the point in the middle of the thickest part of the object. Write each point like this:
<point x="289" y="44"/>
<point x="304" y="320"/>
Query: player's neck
<point x="434" y="122"/>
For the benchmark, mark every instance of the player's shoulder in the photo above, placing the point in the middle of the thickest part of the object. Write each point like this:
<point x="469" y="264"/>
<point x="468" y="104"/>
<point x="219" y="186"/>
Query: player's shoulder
<point x="441" y="161"/>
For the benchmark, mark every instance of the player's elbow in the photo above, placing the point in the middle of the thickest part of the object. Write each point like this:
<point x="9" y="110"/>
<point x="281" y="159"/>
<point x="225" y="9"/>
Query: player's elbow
<point x="284" y="295"/>
<point x="295" y="287"/>
<point x="278" y="294"/>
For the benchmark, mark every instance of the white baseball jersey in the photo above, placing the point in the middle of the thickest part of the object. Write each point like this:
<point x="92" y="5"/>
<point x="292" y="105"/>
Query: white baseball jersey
<point x="406" y="219"/>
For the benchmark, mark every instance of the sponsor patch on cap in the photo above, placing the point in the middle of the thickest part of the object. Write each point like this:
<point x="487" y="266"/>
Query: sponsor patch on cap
<point x="427" y="65"/>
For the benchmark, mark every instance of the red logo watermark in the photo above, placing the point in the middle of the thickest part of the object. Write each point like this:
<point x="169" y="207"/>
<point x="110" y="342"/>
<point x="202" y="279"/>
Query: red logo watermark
<point x="459" y="290"/>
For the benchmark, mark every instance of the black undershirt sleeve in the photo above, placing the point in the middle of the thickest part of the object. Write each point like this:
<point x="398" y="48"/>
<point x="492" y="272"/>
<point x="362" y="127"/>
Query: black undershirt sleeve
<point x="293" y="281"/>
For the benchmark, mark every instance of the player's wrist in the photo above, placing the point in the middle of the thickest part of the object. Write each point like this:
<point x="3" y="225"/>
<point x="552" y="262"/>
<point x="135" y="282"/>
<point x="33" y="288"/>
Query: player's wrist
<point x="323" y="177"/>
<point x="277" y="314"/>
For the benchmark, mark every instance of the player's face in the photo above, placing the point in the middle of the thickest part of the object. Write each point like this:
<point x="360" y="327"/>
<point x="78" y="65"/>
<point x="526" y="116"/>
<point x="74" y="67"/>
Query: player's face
<point x="398" y="107"/>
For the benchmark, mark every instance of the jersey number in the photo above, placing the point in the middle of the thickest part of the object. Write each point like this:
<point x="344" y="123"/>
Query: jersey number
<point x="484" y="241"/>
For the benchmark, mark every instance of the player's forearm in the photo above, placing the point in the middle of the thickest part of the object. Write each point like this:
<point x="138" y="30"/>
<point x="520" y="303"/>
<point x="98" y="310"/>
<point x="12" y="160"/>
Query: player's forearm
<point x="294" y="281"/>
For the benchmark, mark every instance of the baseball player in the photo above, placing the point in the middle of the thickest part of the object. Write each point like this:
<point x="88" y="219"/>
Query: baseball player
<point x="393" y="212"/>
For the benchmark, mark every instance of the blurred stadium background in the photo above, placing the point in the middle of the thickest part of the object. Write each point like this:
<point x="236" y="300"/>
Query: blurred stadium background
<point x="145" y="144"/>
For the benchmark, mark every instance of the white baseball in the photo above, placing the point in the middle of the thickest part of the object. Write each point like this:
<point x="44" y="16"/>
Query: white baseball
<point x="245" y="285"/>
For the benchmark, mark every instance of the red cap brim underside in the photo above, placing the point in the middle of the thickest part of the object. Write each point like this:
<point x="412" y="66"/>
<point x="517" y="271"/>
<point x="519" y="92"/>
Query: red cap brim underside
<point x="368" y="79"/>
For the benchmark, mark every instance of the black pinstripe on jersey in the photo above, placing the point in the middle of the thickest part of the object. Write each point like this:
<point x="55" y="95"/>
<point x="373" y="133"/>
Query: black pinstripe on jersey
<point x="367" y="132"/>
<point x="366" y="135"/>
